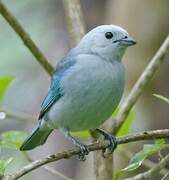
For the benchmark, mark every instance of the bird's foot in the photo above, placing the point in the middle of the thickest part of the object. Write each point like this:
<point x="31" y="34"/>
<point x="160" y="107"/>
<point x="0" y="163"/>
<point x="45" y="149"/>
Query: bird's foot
<point x="112" y="139"/>
<point x="83" y="150"/>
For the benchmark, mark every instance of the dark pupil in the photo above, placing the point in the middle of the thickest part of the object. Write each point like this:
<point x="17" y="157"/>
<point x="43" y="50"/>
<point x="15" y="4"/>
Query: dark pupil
<point x="108" y="35"/>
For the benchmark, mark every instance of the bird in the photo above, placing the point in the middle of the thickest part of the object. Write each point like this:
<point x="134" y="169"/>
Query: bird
<point x="85" y="88"/>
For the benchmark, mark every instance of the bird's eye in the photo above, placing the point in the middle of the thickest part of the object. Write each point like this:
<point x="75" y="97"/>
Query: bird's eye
<point x="108" y="35"/>
<point x="125" y="37"/>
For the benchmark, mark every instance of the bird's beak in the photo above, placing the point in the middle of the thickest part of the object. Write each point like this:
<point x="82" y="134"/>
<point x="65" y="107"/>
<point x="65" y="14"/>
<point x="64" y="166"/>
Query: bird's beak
<point x="129" y="41"/>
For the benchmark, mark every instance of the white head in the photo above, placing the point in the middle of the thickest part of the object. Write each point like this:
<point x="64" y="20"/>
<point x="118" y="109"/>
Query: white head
<point x="107" y="41"/>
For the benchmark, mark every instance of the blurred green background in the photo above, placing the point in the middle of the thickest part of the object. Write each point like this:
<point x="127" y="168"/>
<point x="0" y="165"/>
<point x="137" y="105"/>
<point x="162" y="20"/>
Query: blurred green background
<point x="147" y="21"/>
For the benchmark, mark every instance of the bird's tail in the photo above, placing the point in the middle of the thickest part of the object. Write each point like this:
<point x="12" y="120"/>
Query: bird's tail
<point x="37" y="137"/>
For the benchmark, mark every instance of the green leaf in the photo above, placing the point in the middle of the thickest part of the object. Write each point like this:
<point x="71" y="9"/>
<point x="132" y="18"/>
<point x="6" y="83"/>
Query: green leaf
<point x="163" y="98"/>
<point x="127" y="124"/>
<point x="12" y="139"/>
<point x="5" y="81"/>
<point x="3" y="165"/>
<point x="148" y="150"/>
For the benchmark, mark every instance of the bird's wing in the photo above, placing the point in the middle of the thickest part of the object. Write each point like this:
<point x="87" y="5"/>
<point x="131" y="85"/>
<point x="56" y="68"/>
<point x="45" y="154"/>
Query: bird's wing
<point x="55" y="91"/>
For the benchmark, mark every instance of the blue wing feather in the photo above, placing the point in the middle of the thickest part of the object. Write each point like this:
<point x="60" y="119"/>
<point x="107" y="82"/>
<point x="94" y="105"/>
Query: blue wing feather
<point x="55" y="91"/>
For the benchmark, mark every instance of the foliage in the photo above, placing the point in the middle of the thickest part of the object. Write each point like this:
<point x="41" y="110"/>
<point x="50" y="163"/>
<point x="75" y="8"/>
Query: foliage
<point x="5" y="81"/>
<point x="3" y="166"/>
<point x="12" y="139"/>
<point x="148" y="150"/>
<point x="137" y="160"/>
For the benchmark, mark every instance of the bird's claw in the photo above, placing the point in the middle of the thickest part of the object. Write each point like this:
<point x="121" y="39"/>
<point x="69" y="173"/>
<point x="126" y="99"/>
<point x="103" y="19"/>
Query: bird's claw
<point x="112" y="145"/>
<point x="82" y="147"/>
<point x="83" y="151"/>
<point x="112" y="139"/>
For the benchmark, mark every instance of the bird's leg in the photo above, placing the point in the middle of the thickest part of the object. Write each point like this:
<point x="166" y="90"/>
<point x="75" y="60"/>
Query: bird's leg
<point x="112" y="139"/>
<point x="83" y="148"/>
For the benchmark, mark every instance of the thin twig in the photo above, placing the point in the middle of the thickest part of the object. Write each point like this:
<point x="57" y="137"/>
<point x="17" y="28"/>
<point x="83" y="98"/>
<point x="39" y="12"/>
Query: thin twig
<point x="19" y="116"/>
<point x="103" y="167"/>
<point x="75" y="21"/>
<point x="56" y="173"/>
<point x="152" y="172"/>
<point x="28" y="119"/>
<point x="166" y="176"/>
<point x="147" y="135"/>
<point x="49" y="169"/>
<point x="25" y="118"/>
<point x="144" y="79"/>
<point x="16" y="26"/>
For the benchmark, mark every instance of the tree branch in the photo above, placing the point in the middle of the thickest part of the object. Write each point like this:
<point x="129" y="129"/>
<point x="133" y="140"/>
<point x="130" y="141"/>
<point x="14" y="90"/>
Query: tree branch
<point x="56" y="173"/>
<point x="75" y="21"/>
<point x="49" y="169"/>
<point x="19" y="116"/>
<point x="144" y="79"/>
<point x="29" y="119"/>
<point x="147" y="135"/>
<point x="152" y="172"/>
<point x="166" y="176"/>
<point x="16" y="26"/>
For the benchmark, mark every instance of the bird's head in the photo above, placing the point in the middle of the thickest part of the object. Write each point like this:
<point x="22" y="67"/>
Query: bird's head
<point x="107" y="41"/>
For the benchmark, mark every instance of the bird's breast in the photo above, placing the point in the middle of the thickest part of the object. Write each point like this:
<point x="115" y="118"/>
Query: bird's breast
<point x="91" y="94"/>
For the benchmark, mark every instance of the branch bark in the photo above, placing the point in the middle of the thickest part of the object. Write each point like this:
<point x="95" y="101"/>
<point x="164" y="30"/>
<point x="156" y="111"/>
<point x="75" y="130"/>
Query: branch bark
<point x="103" y="167"/>
<point x="49" y="169"/>
<point x="152" y="172"/>
<point x="56" y="173"/>
<point x="29" y="43"/>
<point x="147" y="135"/>
<point x="19" y="116"/>
<point x="75" y="21"/>
<point x="144" y="79"/>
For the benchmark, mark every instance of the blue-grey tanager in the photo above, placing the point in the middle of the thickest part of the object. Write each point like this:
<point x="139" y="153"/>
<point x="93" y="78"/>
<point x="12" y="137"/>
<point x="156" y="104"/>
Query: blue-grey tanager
<point x="86" y="87"/>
